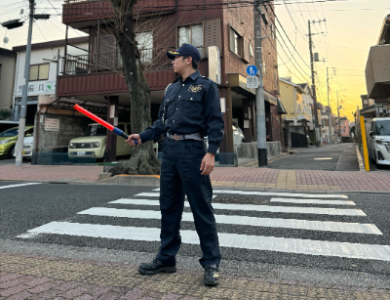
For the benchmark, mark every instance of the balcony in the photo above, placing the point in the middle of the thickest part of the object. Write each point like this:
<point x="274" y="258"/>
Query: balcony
<point x="83" y="13"/>
<point x="378" y="72"/>
<point x="97" y="74"/>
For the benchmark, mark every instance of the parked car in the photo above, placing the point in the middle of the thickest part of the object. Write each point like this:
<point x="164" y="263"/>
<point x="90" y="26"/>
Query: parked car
<point x="27" y="147"/>
<point x="379" y="141"/>
<point x="238" y="137"/>
<point x="8" y="140"/>
<point x="93" y="142"/>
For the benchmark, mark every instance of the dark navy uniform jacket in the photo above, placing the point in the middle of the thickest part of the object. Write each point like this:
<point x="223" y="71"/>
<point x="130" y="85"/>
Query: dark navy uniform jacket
<point x="188" y="107"/>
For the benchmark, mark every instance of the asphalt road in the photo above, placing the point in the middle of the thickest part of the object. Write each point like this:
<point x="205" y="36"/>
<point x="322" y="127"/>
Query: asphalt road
<point x="340" y="157"/>
<point x="271" y="236"/>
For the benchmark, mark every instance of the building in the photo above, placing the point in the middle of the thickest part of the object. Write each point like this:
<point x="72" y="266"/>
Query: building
<point x="378" y="76"/>
<point x="7" y="71"/>
<point x="299" y="117"/>
<point x="224" y="36"/>
<point x="328" y="119"/>
<point x="343" y="130"/>
<point x="45" y="66"/>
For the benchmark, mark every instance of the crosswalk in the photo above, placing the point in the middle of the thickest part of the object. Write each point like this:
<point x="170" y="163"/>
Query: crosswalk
<point x="241" y="225"/>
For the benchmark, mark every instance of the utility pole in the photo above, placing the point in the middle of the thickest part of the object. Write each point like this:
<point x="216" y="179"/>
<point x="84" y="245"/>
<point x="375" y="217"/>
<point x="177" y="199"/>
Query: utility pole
<point x="313" y="85"/>
<point x="330" y="111"/>
<point x="260" y="110"/>
<point x="23" y="107"/>
<point x="338" y="113"/>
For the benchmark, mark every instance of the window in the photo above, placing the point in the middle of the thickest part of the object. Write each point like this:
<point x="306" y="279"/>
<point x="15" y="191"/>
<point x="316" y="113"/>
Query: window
<point x="236" y="43"/>
<point x="145" y="46"/>
<point x="192" y="34"/>
<point x="39" y="72"/>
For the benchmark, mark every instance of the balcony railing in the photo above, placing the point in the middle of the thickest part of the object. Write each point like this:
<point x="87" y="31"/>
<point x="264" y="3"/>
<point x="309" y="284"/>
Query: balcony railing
<point x="151" y="59"/>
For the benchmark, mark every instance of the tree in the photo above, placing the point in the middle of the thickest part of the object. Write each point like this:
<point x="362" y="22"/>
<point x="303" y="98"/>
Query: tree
<point x="143" y="160"/>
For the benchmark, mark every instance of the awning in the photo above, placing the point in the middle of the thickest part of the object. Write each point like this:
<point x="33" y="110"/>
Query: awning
<point x="238" y="84"/>
<point x="280" y="108"/>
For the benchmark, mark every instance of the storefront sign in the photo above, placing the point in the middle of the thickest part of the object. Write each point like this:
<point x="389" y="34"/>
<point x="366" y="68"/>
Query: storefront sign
<point x="38" y="88"/>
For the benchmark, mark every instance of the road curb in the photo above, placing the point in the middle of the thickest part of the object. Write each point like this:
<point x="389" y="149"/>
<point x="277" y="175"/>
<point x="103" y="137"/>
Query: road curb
<point x="133" y="180"/>
<point x="360" y="159"/>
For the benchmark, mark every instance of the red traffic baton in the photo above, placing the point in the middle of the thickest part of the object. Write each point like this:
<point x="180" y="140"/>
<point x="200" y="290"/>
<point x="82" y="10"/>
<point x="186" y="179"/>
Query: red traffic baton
<point x="94" y="117"/>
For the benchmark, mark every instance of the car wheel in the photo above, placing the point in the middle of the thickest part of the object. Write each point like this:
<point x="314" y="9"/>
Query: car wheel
<point x="11" y="152"/>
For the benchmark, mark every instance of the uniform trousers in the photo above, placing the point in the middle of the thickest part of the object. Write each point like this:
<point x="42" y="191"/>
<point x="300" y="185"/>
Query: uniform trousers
<point x="180" y="176"/>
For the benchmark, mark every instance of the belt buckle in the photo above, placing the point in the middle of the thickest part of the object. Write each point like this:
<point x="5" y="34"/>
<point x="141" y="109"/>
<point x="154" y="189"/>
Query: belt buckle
<point x="176" y="137"/>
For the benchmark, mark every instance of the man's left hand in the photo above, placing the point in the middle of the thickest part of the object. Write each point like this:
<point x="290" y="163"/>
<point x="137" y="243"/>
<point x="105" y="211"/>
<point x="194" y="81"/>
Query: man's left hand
<point x="208" y="163"/>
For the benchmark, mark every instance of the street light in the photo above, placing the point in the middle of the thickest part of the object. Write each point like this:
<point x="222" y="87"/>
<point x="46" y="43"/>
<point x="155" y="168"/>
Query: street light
<point x="12" y="24"/>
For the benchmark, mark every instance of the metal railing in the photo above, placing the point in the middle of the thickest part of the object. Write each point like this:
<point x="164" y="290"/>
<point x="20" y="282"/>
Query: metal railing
<point x="151" y="59"/>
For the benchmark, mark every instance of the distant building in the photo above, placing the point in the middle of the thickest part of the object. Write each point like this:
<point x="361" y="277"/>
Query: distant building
<point x="7" y="71"/>
<point x="376" y="102"/>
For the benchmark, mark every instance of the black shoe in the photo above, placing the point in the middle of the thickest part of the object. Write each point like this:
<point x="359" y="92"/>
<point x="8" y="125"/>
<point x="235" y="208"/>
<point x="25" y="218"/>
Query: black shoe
<point x="211" y="275"/>
<point x="155" y="267"/>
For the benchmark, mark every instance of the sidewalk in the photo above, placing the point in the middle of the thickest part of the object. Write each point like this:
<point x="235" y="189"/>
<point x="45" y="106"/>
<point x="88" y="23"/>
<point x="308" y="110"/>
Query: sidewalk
<point x="258" y="178"/>
<point x="54" y="278"/>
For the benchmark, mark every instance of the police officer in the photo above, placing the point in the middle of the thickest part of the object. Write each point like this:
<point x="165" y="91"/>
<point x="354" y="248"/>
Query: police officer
<point x="190" y="111"/>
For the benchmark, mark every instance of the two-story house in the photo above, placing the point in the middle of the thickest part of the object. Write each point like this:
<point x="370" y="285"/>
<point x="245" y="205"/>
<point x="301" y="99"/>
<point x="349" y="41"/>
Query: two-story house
<point x="224" y="35"/>
<point x="45" y="66"/>
<point x="299" y="112"/>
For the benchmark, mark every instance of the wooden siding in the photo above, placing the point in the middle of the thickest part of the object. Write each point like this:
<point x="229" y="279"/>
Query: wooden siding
<point x="107" y="83"/>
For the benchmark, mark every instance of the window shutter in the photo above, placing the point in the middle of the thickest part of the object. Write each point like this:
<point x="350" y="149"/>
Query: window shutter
<point x="212" y="35"/>
<point x="231" y="39"/>
<point x="245" y="53"/>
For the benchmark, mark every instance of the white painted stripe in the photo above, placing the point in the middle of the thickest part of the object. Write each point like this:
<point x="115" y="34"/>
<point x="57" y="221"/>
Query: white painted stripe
<point x="156" y="190"/>
<point x="251" y="242"/>
<point x="276" y="194"/>
<point x="266" y="208"/>
<point x="312" y="201"/>
<point x="18" y="185"/>
<point x="241" y="220"/>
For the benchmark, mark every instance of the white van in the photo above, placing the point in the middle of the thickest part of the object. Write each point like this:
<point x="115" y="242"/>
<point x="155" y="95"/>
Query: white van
<point x="379" y="141"/>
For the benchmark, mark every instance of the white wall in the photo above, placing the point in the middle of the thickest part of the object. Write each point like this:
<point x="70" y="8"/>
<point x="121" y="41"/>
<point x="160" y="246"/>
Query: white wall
<point x="37" y="57"/>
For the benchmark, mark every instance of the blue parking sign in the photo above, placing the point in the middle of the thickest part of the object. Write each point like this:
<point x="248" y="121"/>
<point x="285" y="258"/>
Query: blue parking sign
<point x="251" y="70"/>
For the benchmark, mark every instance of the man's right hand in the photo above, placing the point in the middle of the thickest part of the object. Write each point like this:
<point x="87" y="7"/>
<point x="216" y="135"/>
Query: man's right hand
<point x="131" y="139"/>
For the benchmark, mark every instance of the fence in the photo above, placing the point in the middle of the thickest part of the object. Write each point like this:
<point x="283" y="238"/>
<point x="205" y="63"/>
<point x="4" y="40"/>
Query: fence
<point x="248" y="151"/>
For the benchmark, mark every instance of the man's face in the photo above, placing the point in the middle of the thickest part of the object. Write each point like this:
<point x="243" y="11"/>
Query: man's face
<point x="179" y="64"/>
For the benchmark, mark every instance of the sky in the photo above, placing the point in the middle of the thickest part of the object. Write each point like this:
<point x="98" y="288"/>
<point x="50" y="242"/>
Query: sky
<point x="343" y="41"/>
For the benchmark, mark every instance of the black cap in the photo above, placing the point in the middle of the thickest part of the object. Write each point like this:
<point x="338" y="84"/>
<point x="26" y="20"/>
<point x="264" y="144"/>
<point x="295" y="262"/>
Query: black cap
<point x="186" y="50"/>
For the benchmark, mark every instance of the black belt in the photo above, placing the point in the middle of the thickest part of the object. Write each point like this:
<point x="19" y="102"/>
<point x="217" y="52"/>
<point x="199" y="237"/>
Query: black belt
<point x="177" y="137"/>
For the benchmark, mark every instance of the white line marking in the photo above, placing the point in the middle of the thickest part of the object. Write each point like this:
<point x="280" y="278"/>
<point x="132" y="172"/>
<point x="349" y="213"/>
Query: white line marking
<point x="18" y="185"/>
<point x="241" y="220"/>
<point x="266" y="208"/>
<point x="276" y="194"/>
<point x="156" y="190"/>
<point x="263" y="243"/>
<point x="312" y="201"/>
